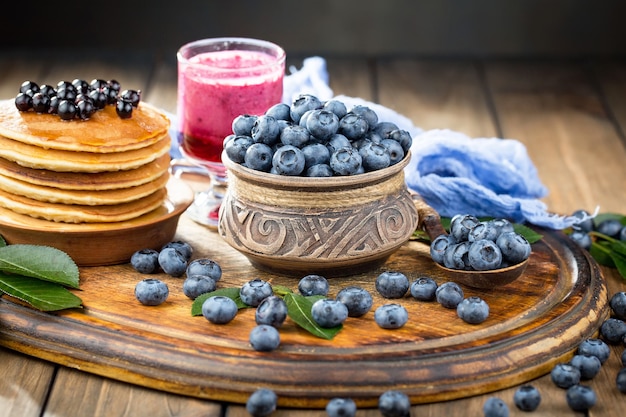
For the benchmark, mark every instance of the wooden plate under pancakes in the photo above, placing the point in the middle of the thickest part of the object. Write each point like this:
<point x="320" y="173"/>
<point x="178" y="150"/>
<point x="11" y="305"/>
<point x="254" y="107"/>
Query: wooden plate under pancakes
<point x="93" y="244"/>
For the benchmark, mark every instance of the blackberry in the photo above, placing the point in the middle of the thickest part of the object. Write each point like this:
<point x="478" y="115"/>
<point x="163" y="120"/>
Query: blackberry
<point x="29" y="86"/>
<point x="66" y="109"/>
<point x="85" y="109"/>
<point x="124" y="108"/>
<point x="134" y="96"/>
<point x="23" y="102"/>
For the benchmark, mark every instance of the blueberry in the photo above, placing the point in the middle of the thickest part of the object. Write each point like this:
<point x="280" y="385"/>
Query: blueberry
<point x="394" y="403"/>
<point x="242" y="124"/>
<point x="272" y="311"/>
<point x="483" y="230"/>
<point x="304" y="118"/>
<point x="620" y="380"/>
<point x="527" y="398"/>
<point x="610" y="227"/>
<point x="353" y="126"/>
<point x="134" y="96"/>
<point x="336" y="106"/>
<point x="586" y="222"/>
<point x="423" y="289"/>
<point x="295" y="135"/>
<point x="460" y="226"/>
<point x="265" y="130"/>
<point x="358" y="300"/>
<point x="367" y="113"/>
<point x="473" y="310"/>
<point x="336" y="142"/>
<point x="322" y="124"/>
<point x="582" y="239"/>
<point x="484" y="255"/>
<point x="255" y="291"/>
<point x="288" y="160"/>
<point x="219" y="309"/>
<point x="449" y="294"/>
<point x="183" y="247"/>
<point x="329" y="313"/>
<point x="565" y="375"/>
<point x="622" y="234"/>
<point x="515" y="248"/>
<point x="262" y="402"/>
<point x="99" y="99"/>
<point x="145" y="261"/>
<point x="580" y="397"/>
<point x="341" y="407"/>
<point x="172" y="262"/>
<point x="259" y="157"/>
<point x="385" y="128"/>
<point x="313" y="285"/>
<point x="315" y="154"/>
<point x="391" y="316"/>
<point x="403" y="137"/>
<point x="595" y="347"/>
<point x="195" y="285"/>
<point x="588" y="365"/>
<point x="66" y="109"/>
<point x="438" y="247"/>
<point x="264" y="338"/>
<point x="502" y="226"/>
<point x="40" y="102"/>
<point x="29" y="85"/>
<point x="302" y="104"/>
<point x="495" y="407"/>
<point x="613" y="330"/>
<point x="124" y="108"/>
<point x="151" y="292"/>
<point x="346" y="161"/>
<point x="391" y="284"/>
<point x="618" y="305"/>
<point x="456" y="256"/>
<point x="396" y="153"/>
<point x="236" y="148"/>
<point x="279" y="111"/>
<point x="319" y="170"/>
<point x="204" y="266"/>
<point x="374" y="156"/>
<point x="23" y="102"/>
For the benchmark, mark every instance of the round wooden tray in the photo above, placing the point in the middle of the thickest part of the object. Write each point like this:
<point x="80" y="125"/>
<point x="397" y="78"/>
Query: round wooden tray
<point x="535" y="322"/>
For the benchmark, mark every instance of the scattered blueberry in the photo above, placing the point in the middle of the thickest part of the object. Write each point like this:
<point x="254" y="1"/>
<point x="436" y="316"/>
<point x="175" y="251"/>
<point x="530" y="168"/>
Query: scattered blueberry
<point x="610" y="227"/>
<point x="341" y="407"/>
<point x="613" y="330"/>
<point x="204" y="266"/>
<point x="183" y="247"/>
<point x="264" y="338"/>
<point x="495" y="407"/>
<point x="329" y="313"/>
<point x="620" y="380"/>
<point x="423" y="289"/>
<point x="564" y="375"/>
<point x="172" y="262"/>
<point x="595" y="347"/>
<point x="195" y="285"/>
<point x="392" y="284"/>
<point x="219" y="309"/>
<point x="394" y="403"/>
<point x="449" y="294"/>
<point x="358" y="300"/>
<point x="151" y="292"/>
<point x="588" y="365"/>
<point x="527" y="398"/>
<point x="473" y="310"/>
<point x="585" y="224"/>
<point x="255" y="291"/>
<point x="145" y="261"/>
<point x="313" y="284"/>
<point x="580" y="397"/>
<point x="261" y="403"/>
<point x="391" y="316"/>
<point x="581" y="238"/>
<point x="272" y="311"/>
<point x="618" y="305"/>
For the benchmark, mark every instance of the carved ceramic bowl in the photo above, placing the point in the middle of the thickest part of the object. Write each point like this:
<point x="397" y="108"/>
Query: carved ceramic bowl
<point x="333" y="226"/>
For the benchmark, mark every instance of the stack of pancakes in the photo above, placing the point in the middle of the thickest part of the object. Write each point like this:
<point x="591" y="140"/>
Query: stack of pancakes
<point x="105" y="169"/>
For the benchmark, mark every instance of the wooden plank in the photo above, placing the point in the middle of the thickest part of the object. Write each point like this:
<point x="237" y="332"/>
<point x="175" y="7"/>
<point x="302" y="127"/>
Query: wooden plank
<point x="437" y="94"/>
<point x="23" y="392"/>
<point x="611" y="78"/>
<point x="77" y="394"/>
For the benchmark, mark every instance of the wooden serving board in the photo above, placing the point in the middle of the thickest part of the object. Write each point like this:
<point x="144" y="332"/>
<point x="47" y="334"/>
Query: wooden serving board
<point x="534" y="323"/>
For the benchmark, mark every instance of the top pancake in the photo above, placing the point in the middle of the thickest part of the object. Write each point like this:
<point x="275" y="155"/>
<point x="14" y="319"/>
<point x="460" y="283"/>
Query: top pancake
<point x="104" y="132"/>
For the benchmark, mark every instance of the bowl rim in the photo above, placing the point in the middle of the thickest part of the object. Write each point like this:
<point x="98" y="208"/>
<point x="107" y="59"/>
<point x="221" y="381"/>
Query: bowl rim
<point x="314" y="182"/>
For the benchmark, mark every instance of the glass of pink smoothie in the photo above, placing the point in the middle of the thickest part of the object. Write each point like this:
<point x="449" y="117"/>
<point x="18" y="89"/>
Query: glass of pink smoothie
<point x="218" y="80"/>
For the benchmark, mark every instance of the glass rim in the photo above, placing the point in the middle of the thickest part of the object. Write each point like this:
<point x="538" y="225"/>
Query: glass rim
<point x="257" y="44"/>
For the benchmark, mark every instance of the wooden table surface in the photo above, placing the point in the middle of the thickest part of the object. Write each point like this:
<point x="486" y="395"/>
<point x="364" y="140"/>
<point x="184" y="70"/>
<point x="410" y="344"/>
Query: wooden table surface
<point x="571" y="115"/>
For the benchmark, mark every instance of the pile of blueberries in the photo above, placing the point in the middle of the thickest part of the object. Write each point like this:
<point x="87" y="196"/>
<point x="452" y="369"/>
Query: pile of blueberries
<point x="315" y="138"/>
<point x="479" y="245"/>
<point x="581" y="231"/>
<point x="77" y="99"/>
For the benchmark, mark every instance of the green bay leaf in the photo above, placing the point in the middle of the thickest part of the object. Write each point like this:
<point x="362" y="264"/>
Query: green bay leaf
<point x="43" y="295"/>
<point x="232" y="293"/>
<point x="42" y="262"/>
<point x="299" y="311"/>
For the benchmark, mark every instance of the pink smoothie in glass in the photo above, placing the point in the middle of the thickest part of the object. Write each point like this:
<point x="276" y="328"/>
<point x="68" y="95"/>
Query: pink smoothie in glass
<point x="230" y="83"/>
